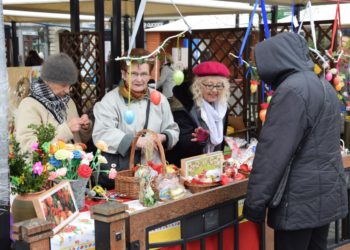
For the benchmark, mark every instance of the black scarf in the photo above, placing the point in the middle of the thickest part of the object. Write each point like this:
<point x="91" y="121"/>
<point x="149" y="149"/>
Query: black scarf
<point x="55" y="104"/>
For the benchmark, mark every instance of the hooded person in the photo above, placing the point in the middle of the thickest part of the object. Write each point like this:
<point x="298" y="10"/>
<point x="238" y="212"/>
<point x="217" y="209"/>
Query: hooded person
<point x="49" y="102"/>
<point x="301" y="133"/>
<point x="202" y="125"/>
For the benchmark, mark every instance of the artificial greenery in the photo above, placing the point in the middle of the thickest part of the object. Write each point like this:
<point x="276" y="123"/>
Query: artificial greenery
<point x="22" y="176"/>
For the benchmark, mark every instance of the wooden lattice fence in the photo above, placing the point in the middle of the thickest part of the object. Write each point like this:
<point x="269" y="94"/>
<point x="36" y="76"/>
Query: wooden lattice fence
<point x="85" y="50"/>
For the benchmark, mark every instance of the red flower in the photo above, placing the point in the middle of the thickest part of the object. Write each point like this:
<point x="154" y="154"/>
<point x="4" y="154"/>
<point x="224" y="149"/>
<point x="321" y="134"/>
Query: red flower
<point x="84" y="171"/>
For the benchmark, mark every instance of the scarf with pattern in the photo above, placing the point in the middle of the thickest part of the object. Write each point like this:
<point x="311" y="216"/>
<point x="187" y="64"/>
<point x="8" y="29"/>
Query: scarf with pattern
<point x="124" y="91"/>
<point x="55" y="104"/>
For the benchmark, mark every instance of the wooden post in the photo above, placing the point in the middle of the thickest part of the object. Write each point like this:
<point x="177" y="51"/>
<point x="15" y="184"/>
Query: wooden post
<point x="33" y="234"/>
<point x="110" y="225"/>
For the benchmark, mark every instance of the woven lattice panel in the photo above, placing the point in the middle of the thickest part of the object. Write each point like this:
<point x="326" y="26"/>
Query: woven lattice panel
<point x="216" y="45"/>
<point x="323" y="30"/>
<point x="85" y="50"/>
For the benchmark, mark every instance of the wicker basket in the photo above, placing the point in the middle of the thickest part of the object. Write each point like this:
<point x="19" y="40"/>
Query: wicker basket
<point x="126" y="183"/>
<point x="196" y="188"/>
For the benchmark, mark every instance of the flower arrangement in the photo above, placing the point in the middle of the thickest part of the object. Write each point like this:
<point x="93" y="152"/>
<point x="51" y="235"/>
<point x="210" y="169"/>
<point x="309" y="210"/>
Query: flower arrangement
<point x="31" y="171"/>
<point x="28" y="172"/>
<point x="70" y="161"/>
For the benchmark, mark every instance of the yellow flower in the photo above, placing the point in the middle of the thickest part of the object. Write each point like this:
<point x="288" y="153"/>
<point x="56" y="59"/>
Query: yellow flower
<point x="21" y="179"/>
<point x="62" y="154"/>
<point x="101" y="159"/>
<point x="61" y="144"/>
<point x="101" y="145"/>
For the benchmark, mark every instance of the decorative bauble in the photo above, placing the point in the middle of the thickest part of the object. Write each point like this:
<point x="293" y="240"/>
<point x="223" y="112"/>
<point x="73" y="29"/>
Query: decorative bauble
<point x="253" y="86"/>
<point x="317" y="69"/>
<point x="262" y="113"/>
<point x="178" y="77"/>
<point x="129" y="116"/>
<point x="269" y="96"/>
<point x="329" y="76"/>
<point x="268" y="99"/>
<point x="336" y="80"/>
<point x="334" y="71"/>
<point x="155" y="97"/>
<point x="338" y="87"/>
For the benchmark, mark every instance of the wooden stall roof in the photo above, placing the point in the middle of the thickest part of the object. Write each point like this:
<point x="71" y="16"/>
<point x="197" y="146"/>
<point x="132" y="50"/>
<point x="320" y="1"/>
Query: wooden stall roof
<point x="154" y="8"/>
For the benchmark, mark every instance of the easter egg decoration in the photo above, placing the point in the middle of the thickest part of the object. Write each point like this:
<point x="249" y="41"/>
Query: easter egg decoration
<point x="317" y="69"/>
<point x="129" y="116"/>
<point x="334" y="71"/>
<point x="338" y="87"/>
<point x="269" y="96"/>
<point x="178" y="77"/>
<point x="155" y="97"/>
<point x="253" y="86"/>
<point x="329" y="76"/>
<point x="336" y="80"/>
<point x="262" y="113"/>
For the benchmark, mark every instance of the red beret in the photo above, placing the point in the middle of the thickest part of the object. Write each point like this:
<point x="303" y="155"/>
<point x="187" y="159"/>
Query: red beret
<point x="211" y="68"/>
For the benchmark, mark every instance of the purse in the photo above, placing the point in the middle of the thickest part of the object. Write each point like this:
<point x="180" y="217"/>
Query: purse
<point x="276" y="199"/>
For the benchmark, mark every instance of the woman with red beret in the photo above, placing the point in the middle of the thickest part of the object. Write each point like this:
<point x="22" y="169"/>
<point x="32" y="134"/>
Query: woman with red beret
<point x="202" y="125"/>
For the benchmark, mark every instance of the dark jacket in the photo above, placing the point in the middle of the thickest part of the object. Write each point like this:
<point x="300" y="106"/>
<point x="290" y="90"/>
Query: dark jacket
<point x="185" y="147"/>
<point x="315" y="193"/>
<point x="188" y="121"/>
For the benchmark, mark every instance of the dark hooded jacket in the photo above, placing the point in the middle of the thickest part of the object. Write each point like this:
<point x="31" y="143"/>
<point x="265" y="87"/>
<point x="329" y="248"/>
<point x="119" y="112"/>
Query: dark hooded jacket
<point x="315" y="194"/>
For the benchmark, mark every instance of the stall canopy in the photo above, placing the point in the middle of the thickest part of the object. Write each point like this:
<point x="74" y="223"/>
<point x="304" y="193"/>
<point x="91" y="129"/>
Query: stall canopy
<point x="296" y="2"/>
<point x="154" y="8"/>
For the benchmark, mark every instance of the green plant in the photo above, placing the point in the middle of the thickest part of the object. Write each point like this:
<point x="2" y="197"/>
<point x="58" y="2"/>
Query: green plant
<point x="28" y="173"/>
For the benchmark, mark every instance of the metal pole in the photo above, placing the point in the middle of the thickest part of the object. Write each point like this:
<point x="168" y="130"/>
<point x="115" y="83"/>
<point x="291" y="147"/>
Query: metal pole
<point x="74" y="16"/>
<point x="14" y="43"/>
<point x="126" y="32"/>
<point x="274" y="13"/>
<point x="116" y="46"/>
<point x="100" y="28"/>
<point x="237" y="21"/>
<point x="140" y="36"/>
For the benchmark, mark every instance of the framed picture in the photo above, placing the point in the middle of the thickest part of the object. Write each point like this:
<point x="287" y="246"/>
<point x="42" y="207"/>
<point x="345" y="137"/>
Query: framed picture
<point x="57" y="206"/>
<point x="196" y="165"/>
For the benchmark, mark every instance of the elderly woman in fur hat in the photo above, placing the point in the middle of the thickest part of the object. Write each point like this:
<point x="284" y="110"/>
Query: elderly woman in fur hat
<point x="202" y="124"/>
<point x="49" y="102"/>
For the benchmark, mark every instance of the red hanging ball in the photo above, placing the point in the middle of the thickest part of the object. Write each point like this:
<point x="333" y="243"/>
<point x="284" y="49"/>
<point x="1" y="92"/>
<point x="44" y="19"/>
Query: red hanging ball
<point x="155" y="97"/>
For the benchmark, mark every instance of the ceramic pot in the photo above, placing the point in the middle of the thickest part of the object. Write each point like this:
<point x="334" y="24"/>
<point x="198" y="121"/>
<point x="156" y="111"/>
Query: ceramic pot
<point x="22" y="207"/>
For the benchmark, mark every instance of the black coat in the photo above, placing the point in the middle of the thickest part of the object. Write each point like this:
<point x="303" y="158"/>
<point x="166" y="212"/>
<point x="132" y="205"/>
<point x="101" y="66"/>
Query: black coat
<point x="316" y="193"/>
<point x="185" y="147"/>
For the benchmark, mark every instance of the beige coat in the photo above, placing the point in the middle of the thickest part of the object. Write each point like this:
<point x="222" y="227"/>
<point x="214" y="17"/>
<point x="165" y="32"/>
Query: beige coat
<point x="30" y="111"/>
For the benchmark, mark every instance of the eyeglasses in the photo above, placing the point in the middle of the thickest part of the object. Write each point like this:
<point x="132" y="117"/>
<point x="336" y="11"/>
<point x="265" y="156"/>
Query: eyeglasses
<point x="210" y="86"/>
<point x="135" y="75"/>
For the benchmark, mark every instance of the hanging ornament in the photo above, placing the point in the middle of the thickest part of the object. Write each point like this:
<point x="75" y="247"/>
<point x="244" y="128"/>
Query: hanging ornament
<point x="269" y="95"/>
<point x="155" y="97"/>
<point x="317" y="69"/>
<point x="329" y="76"/>
<point x="253" y="86"/>
<point x="178" y="77"/>
<point x="334" y="71"/>
<point x="336" y="80"/>
<point x="338" y="87"/>
<point x="129" y="116"/>
<point x="262" y="113"/>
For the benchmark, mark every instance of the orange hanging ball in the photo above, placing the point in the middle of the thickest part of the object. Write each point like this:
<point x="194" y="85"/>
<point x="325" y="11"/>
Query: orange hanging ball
<point x="338" y="87"/>
<point x="155" y="97"/>
<point x="336" y="80"/>
<point x="262" y="113"/>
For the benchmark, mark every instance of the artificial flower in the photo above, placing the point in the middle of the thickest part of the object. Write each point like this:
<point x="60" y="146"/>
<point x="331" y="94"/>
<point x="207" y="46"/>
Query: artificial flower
<point x="54" y="162"/>
<point x="38" y="168"/>
<point x="53" y="175"/>
<point x="62" y="154"/>
<point x="84" y="171"/>
<point x="101" y="145"/>
<point x="61" y="172"/>
<point x="102" y="159"/>
<point x="35" y="146"/>
<point x="112" y="173"/>
<point x="76" y="154"/>
<point x="88" y="156"/>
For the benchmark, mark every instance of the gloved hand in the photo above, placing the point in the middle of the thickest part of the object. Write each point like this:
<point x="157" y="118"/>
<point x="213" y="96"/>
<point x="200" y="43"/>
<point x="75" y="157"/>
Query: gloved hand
<point x="200" y="135"/>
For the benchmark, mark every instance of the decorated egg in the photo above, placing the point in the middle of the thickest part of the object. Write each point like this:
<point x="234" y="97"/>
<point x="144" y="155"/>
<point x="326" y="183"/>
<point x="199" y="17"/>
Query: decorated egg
<point x="317" y="69"/>
<point x="338" y="87"/>
<point x="155" y="97"/>
<point x="262" y="113"/>
<point x="329" y="76"/>
<point x="178" y="77"/>
<point x="253" y="86"/>
<point x="336" y="80"/>
<point x="334" y="71"/>
<point x="129" y="116"/>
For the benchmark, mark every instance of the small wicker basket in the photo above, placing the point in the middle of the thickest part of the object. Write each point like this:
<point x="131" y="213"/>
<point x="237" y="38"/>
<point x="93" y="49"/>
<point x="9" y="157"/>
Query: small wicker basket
<point x="196" y="188"/>
<point x="126" y="183"/>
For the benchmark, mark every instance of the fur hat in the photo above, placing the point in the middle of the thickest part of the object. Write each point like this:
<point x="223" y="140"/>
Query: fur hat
<point x="211" y="68"/>
<point x="59" y="68"/>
